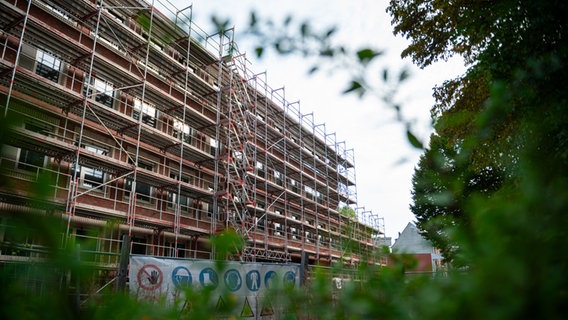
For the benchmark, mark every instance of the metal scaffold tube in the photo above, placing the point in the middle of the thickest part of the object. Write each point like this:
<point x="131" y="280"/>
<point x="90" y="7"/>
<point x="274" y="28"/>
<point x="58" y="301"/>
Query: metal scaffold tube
<point x="18" y="52"/>
<point x="183" y="131"/>
<point x="133" y="192"/>
<point x="150" y="122"/>
<point x="74" y="180"/>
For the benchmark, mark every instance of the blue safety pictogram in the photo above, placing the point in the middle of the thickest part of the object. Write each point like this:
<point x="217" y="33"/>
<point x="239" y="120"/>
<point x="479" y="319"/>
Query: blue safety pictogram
<point x="181" y="277"/>
<point x="253" y="280"/>
<point x="208" y="278"/>
<point x="233" y="280"/>
<point x="270" y="279"/>
<point x="289" y="279"/>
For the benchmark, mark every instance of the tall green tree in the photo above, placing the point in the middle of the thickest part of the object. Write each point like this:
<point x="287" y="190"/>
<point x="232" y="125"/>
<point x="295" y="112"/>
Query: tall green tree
<point x="442" y="185"/>
<point x="507" y="101"/>
<point x="348" y="212"/>
<point x="504" y="121"/>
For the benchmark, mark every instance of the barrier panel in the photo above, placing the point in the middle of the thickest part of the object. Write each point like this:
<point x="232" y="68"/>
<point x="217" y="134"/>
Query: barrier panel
<point x="153" y="278"/>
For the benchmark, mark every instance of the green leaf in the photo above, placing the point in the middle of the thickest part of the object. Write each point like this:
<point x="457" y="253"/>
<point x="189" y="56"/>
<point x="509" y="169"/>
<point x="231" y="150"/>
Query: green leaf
<point x="259" y="51"/>
<point x="404" y="74"/>
<point x="385" y="75"/>
<point x="304" y="29"/>
<point x="330" y="32"/>
<point x="366" y="55"/>
<point x="220" y="25"/>
<point x="414" y="141"/>
<point x="328" y="52"/>
<point x="355" y="86"/>
<point x="253" y="19"/>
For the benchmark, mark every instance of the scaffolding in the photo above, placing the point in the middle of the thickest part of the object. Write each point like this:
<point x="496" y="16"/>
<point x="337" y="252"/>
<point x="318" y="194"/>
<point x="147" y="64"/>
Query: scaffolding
<point x="145" y="120"/>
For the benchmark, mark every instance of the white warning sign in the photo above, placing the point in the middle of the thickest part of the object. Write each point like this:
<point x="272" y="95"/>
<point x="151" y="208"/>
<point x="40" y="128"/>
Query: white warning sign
<point x="152" y="277"/>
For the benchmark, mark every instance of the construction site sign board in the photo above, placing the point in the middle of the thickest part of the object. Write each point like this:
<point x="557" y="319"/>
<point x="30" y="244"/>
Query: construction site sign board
<point x="152" y="278"/>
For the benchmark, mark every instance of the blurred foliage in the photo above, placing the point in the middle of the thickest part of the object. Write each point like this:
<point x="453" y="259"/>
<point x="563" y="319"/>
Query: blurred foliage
<point x="319" y="48"/>
<point x="348" y="212"/>
<point x="491" y="188"/>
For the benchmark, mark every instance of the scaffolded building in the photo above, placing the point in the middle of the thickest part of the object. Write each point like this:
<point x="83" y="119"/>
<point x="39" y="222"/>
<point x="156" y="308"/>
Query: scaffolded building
<point x="150" y="127"/>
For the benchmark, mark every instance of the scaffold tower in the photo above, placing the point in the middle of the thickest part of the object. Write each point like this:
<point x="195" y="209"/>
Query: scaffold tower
<point x="154" y="128"/>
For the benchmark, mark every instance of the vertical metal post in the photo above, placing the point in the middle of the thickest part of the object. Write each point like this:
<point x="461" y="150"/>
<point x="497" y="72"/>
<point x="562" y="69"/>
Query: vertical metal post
<point x="77" y="283"/>
<point x="132" y="201"/>
<point x="17" y="58"/>
<point x="74" y="179"/>
<point x="122" y="272"/>
<point x="182" y="133"/>
<point x="304" y="267"/>
<point x="217" y="173"/>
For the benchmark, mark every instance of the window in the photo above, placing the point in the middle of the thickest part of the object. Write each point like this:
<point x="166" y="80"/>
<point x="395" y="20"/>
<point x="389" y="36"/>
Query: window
<point x="214" y="145"/>
<point x="260" y="169"/>
<point x="319" y="197"/>
<point x="278" y="229"/>
<point x="183" y="132"/>
<point x="294" y="185"/>
<point x="210" y="210"/>
<point x="261" y="223"/>
<point x="148" y="113"/>
<point x="47" y="66"/>
<point x="31" y="160"/>
<point x="143" y="191"/>
<point x="91" y="177"/>
<point x="295" y="233"/>
<point x="184" y="201"/>
<point x="169" y="250"/>
<point x="138" y="246"/>
<point x="104" y="92"/>
<point x="278" y="178"/>
<point x="181" y="250"/>
<point x="309" y="192"/>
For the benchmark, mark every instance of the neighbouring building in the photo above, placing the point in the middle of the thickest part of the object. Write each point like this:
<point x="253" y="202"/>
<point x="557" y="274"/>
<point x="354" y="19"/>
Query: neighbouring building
<point x="150" y="127"/>
<point x="384" y="242"/>
<point x="410" y="242"/>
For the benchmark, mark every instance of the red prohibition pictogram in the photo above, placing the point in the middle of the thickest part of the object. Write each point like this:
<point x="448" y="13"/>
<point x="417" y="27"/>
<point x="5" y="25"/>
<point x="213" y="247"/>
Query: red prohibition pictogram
<point x="150" y="277"/>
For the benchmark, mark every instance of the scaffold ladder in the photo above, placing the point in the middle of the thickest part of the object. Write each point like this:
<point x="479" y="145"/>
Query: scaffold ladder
<point x="235" y="156"/>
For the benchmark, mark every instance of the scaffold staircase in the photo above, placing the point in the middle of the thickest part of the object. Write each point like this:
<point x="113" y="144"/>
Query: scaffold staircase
<point x="238" y="158"/>
<point x="235" y="190"/>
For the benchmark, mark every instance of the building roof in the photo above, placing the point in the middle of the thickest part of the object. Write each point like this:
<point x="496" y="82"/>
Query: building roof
<point x="410" y="241"/>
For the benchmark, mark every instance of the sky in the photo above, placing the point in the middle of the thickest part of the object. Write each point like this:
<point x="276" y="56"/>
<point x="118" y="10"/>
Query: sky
<point x="384" y="159"/>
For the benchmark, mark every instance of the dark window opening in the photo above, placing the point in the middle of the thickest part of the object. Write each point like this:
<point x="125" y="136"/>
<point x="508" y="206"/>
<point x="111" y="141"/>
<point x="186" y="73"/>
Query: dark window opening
<point x="143" y="191"/>
<point x="48" y="66"/>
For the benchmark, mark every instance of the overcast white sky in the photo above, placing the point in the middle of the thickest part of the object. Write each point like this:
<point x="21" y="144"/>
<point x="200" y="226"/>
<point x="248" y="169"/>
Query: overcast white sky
<point x="367" y="126"/>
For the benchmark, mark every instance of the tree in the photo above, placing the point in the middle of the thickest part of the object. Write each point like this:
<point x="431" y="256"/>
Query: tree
<point x="442" y="184"/>
<point x="503" y="126"/>
<point x="486" y="113"/>
<point x="348" y="212"/>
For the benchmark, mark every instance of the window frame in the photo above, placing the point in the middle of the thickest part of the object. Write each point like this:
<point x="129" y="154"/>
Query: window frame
<point x="183" y="128"/>
<point x="30" y="156"/>
<point x="47" y="65"/>
<point x="140" y="187"/>
<point x="146" y="109"/>
<point x="172" y="196"/>
<point x="97" y="176"/>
